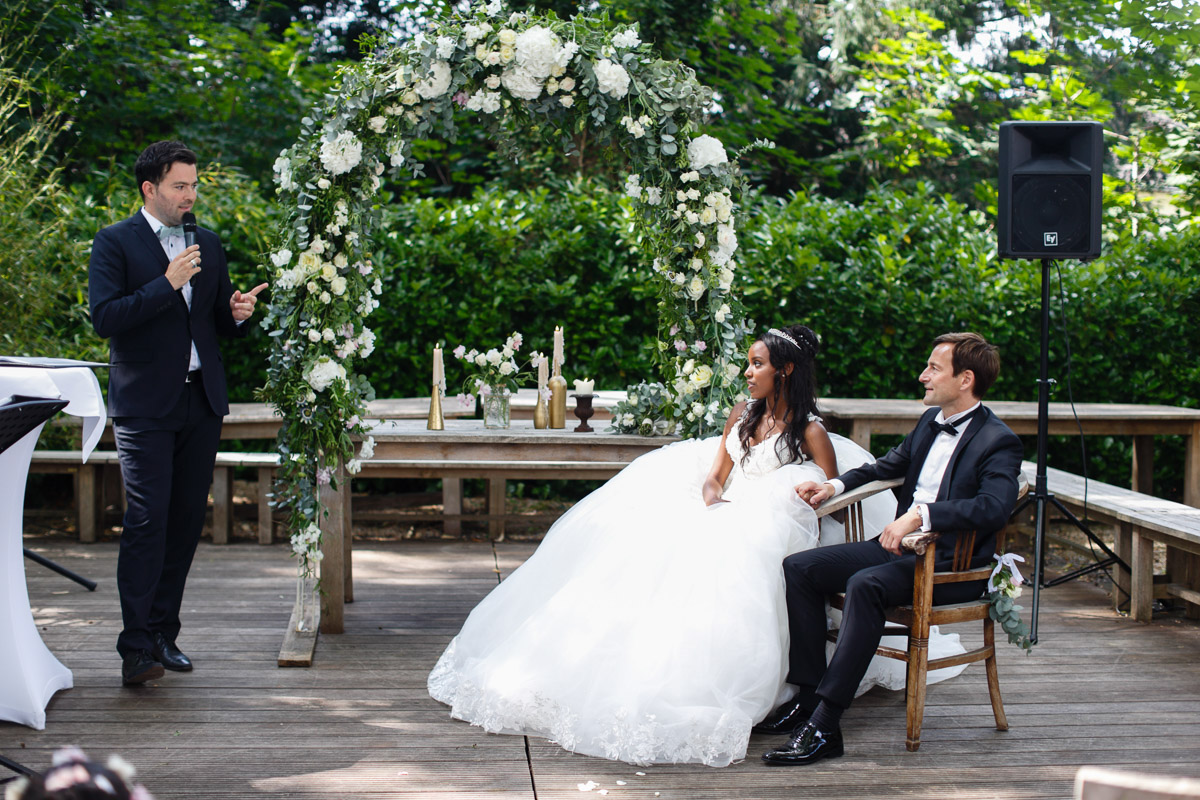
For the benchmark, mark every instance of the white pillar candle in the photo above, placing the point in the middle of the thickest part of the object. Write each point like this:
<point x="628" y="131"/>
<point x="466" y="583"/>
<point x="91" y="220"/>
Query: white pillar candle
<point x="584" y="387"/>
<point x="558" y="349"/>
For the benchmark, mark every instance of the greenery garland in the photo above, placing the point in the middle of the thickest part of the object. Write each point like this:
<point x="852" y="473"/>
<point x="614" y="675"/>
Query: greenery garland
<point x="525" y="75"/>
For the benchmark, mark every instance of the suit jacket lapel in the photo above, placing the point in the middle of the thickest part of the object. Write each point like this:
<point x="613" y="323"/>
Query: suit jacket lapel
<point x="922" y="441"/>
<point x="147" y="237"/>
<point x="977" y="423"/>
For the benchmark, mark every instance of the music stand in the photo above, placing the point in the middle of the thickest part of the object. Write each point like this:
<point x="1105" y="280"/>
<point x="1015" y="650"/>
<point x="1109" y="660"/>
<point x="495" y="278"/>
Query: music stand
<point x="17" y="418"/>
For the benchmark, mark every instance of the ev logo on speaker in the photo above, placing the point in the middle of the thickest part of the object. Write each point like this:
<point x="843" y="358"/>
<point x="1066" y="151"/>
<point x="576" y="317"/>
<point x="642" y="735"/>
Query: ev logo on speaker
<point x="1050" y="239"/>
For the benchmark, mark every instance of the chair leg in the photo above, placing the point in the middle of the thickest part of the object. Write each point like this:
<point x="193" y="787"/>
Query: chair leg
<point x="918" y="667"/>
<point x="993" y="674"/>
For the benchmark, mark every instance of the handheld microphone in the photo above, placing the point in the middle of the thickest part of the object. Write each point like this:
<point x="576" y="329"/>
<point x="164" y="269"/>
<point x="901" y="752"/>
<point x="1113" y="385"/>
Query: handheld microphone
<point x="189" y="232"/>
<point x="189" y="229"/>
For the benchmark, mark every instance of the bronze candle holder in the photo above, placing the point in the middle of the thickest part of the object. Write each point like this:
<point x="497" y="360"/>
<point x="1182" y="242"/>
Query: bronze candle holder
<point x="584" y="410"/>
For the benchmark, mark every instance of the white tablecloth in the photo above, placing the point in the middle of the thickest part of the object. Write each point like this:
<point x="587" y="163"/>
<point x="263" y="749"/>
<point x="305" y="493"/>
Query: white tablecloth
<point x="29" y="673"/>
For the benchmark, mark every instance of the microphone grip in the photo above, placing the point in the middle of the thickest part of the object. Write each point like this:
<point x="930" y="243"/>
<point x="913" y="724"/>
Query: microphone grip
<point x="189" y="231"/>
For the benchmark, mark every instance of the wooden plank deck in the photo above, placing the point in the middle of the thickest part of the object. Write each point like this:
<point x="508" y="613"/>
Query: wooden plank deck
<point x="1099" y="689"/>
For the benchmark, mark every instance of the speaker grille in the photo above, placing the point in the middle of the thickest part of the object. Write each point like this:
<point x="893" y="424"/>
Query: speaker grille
<point x="1050" y="214"/>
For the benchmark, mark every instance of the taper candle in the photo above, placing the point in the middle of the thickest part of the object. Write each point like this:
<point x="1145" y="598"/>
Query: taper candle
<point x="439" y="369"/>
<point x="558" y="349"/>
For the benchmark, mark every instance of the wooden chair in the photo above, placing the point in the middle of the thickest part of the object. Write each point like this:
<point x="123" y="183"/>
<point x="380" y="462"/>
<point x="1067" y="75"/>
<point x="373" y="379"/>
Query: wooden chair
<point x="914" y="621"/>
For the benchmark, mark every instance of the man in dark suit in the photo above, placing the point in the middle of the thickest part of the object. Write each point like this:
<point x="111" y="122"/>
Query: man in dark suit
<point x="162" y="313"/>
<point x="960" y="467"/>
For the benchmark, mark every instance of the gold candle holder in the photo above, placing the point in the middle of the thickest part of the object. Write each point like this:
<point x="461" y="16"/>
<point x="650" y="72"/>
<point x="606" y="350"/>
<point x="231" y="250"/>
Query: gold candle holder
<point x="558" y="402"/>
<point x="436" y="420"/>
<point x="541" y="412"/>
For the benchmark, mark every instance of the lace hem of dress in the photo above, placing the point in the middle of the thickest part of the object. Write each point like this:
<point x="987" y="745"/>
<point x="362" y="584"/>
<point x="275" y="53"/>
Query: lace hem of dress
<point x="621" y="736"/>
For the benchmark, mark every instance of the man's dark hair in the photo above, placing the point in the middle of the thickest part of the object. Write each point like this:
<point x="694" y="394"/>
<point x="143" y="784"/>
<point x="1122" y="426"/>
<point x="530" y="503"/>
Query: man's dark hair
<point x="973" y="352"/>
<point x="156" y="160"/>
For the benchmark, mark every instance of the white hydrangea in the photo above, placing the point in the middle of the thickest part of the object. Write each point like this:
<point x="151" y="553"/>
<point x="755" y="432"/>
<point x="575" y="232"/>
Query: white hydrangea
<point x="445" y="47"/>
<point x="323" y="373"/>
<point x="341" y="154"/>
<point x="565" y="54"/>
<point x="521" y="83"/>
<point x="487" y="102"/>
<point x="537" y="50"/>
<point x="436" y="83"/>
<point x="613" y="80"/>
<point x="626" y="39"/>
<point x="706" y="151"/>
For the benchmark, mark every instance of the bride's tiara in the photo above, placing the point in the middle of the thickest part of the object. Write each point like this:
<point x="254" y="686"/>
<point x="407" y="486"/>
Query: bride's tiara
<point x="788" y="337"/>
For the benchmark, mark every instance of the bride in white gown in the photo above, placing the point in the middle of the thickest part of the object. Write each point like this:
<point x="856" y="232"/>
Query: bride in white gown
<point x="649" y="626"/>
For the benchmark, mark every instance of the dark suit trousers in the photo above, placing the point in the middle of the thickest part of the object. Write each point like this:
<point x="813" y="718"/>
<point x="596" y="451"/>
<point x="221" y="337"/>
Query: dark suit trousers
<point x="873" y="580"/>
<point x="167" y="466"/>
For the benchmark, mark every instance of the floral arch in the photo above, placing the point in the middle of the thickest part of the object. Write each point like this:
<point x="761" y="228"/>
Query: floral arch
<point x="526" y="74"/>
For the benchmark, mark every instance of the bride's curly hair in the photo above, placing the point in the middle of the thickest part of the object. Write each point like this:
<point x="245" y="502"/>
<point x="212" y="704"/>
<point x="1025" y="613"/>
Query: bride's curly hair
<point x="796" y="345"/>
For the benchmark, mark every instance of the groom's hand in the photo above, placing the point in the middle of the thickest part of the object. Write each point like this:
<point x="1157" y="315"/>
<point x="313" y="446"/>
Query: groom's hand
<point x="814" y="493"/>
<point x="895" y="531"/>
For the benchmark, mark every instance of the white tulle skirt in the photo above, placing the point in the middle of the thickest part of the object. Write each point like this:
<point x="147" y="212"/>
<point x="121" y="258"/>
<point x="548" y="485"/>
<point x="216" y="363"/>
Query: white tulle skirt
<point x="648" y="627"/>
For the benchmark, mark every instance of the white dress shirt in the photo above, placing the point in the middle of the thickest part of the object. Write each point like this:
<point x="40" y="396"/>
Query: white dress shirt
<point x="934" y="468"/>
<point x="173" y="246"/>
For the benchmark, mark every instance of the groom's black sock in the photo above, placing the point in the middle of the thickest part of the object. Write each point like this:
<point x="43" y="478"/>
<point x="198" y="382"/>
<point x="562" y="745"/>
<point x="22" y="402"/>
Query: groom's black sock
<point x="827" y="717"/>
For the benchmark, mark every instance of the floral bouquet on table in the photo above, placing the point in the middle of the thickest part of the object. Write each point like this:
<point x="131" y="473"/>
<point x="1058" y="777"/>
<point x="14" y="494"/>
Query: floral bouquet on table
<point x="646" y="409"/>
<point x="495" y="371"/>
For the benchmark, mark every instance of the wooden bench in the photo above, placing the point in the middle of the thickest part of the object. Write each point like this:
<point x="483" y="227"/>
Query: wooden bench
<point x="89" y="487"/>
<point x="1141" y="520"/>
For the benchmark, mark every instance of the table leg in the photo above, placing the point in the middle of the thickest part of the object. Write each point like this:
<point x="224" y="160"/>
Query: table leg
<point x="222" y="492"/>
<point x="860" y="433"/>
<point x="1181" y="570"/>
<point x="86" y="491"/>
<point x="347" y="540"/>
<point x="333" y="574"/>
<point x="496" y="492"/>
<point x="266" y="532"/>
<point x="1143" y="464"/>
<point x="1142" y="566"/>
<point x="452" y="503"/>
<point x="1191" y="469"/>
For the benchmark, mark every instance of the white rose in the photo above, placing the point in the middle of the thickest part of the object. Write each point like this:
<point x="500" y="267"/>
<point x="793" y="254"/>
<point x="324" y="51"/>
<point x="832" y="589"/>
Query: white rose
<point x="377" y="124"/>
<point x="493" y="357"/>
<point x="506" y="368"/>
<point x="326" y="298"/>
<point x="567" y="100"/>
<point x="706" y="151"/>
<point x="688" y="366"/>
<point x="695" y="288"/>
<point x="567" y="84"/>
<point x="722" y="312"/>
<point x="701" y="377"/>
<point x="314" y="335"/>
<point x="481" y="360"/>
<point x="507" y="36"/>
<point x="338" y="286"/>
<point x="493" y="81"/>
<point x="612" y="79"/>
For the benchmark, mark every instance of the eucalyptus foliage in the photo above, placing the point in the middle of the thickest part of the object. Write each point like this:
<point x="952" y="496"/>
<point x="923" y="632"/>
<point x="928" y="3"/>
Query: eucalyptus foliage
<point x="527" y="77"/>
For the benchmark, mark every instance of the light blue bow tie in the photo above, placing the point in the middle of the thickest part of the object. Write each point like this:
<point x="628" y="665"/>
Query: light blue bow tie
<point x="167" y="231"/>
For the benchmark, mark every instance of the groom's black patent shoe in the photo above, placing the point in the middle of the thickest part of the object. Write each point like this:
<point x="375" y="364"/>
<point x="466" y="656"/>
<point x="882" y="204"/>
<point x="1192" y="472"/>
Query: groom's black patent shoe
<point x="805" y="746"/>
<point x="170" y="656"/>
<point x="139" y="666"/>
<point x="785" y="719"/>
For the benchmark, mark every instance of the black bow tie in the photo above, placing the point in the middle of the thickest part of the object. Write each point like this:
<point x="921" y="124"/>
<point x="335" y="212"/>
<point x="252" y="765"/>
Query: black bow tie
<point x="943" y="427"/>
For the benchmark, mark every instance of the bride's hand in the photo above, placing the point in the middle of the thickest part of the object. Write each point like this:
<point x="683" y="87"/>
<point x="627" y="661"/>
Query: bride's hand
<point x="814" y="493"/>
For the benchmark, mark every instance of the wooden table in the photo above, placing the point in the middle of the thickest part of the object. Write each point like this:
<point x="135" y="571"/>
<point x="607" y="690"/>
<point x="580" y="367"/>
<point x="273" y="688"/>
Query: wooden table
<point x="865" y="417"/>
<point x="466" y="449"/>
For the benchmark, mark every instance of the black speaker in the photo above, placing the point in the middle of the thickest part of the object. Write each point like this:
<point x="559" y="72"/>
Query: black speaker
<point x="1050" y="189"/>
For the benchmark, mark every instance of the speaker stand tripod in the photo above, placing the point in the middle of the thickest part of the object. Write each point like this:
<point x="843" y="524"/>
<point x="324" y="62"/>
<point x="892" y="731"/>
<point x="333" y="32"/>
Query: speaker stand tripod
<point x="1041" y="496"/>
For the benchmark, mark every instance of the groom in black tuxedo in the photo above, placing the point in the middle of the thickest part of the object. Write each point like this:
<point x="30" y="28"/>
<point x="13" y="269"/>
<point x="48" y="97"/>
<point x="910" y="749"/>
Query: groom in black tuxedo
<point x="960" y="467"/>
<point x="162" y="313"/>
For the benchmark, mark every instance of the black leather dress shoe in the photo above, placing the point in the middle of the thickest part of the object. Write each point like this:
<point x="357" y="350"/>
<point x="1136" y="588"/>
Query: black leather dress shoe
<point x="806" y="746"/>
<point x="170" y="655"/>
<point x="139" y="666"/>
<point x="785" y="719"/>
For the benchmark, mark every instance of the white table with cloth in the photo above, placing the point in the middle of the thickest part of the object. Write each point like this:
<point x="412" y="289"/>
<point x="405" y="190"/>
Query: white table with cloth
<point x="29" y="672"/>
